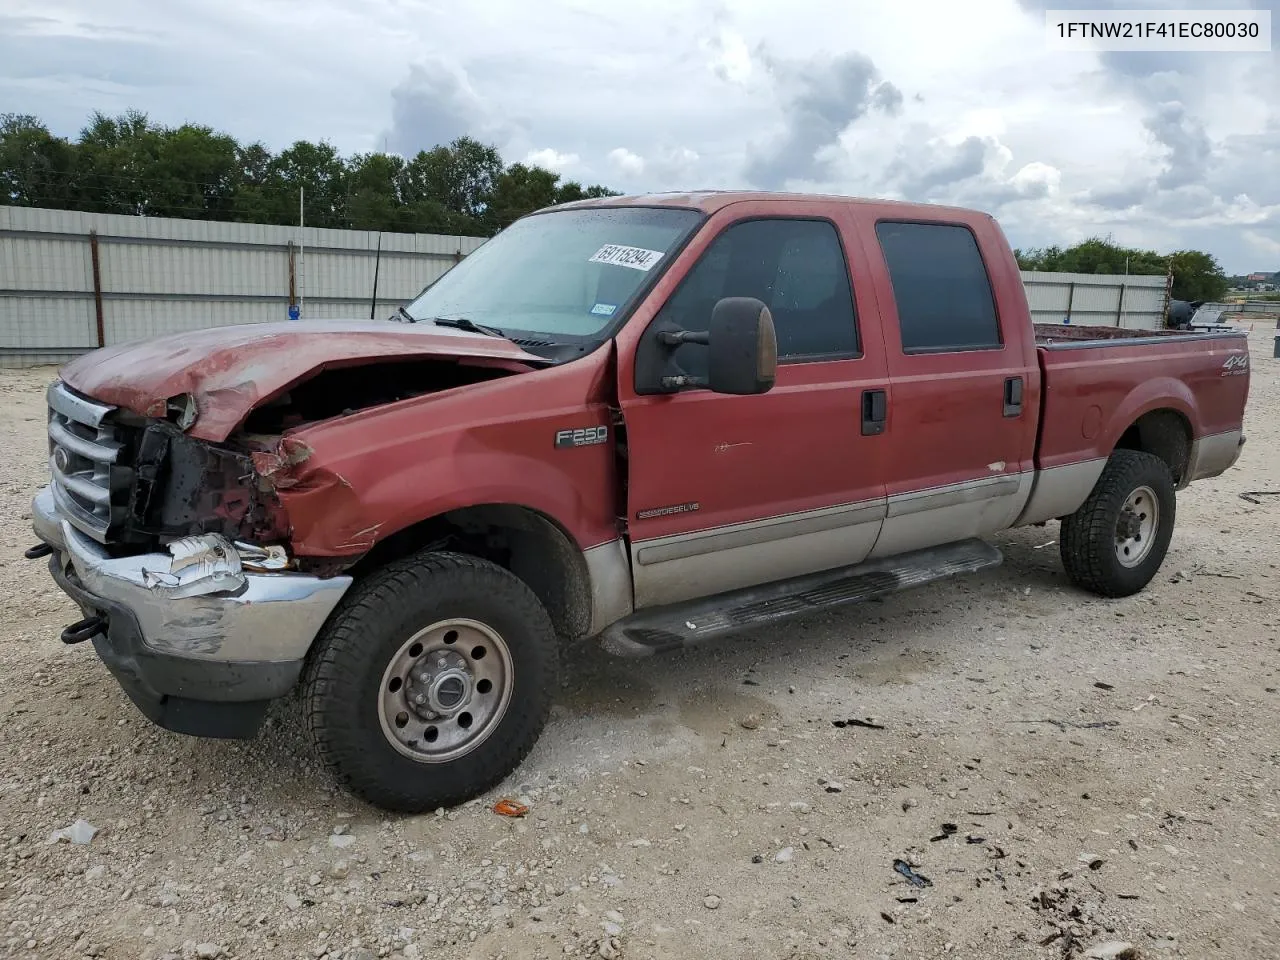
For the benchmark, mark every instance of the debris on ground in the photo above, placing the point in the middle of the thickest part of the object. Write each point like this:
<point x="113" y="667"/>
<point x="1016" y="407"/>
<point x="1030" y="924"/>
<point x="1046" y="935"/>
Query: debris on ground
<point x="948" y="829"/>
<point x="1102" y="685"/>
<point x="1252" y="495"/>
<point x="1064" y="724"/>
<point x="749" y="722"/>
<point x="913" y="878"/>
<point x="80" y="832"/>
<point x="855" y="722"/>
<point x="506" y="807"/>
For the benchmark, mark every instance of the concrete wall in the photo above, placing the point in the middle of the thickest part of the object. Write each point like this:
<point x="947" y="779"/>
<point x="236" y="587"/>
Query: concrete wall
<point x="162" y="276"/>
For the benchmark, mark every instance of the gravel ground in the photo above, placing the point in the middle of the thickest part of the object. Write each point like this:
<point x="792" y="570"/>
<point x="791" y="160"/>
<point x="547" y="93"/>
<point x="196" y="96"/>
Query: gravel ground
<point x="1065" y="771"/>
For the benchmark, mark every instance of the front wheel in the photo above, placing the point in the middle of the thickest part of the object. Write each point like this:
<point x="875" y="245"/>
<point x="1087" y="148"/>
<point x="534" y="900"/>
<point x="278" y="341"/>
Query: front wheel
<point x="1114" y="544"/>
<point x="432" y="682"/>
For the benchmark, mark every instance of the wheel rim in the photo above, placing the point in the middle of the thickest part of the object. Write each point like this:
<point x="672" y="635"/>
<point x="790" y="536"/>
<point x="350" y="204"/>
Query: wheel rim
<point x="445" y="690"/>
<point x="1136" y="527"/>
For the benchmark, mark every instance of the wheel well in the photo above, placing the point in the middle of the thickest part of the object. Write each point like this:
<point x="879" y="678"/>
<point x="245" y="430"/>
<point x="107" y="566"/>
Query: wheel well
<point x="523" y="541"/>
<point x="1164" y="433"/>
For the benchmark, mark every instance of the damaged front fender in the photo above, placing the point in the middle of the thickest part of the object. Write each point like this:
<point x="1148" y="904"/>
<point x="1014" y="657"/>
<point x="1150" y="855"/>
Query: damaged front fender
<point x="185" y="487"/>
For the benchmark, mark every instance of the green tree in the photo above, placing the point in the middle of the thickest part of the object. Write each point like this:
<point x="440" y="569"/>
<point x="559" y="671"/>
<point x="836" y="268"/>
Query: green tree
<point x="572" y="190"/>
<point x="313" y="174"/>
<point x="1196" y="276"/>
<point x="374" y="182"/>
<point x="117" y="162"/>
<point x="460" y="178"/>
<point x="1096" y="255"/>
<point x="36" y="168"/>
<point x="196" y="174"/>
<point x="128" y="164"/>
<point x="518" y="190"/>
<point x="251" y="202"/>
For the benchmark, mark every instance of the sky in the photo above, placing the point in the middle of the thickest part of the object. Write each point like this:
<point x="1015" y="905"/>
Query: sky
<point x="929" y="100"/>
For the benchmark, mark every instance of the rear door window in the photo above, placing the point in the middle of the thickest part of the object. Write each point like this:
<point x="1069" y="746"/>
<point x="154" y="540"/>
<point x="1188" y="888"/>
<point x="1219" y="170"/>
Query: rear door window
<point x="941" y="287"/>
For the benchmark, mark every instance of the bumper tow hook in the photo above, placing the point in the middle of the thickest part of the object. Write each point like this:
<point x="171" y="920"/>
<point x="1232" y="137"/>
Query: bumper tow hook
<point x="38" y="551"/>
<point x="83" y="630"/>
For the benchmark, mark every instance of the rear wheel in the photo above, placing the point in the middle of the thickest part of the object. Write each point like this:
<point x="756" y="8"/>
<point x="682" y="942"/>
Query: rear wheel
<point x="432" y="682"/>
<point x="1114" y="544"/>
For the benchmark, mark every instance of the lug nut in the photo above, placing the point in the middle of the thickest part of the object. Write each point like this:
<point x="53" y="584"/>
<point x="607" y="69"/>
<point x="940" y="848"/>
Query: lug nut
<point x="419" y="699"/>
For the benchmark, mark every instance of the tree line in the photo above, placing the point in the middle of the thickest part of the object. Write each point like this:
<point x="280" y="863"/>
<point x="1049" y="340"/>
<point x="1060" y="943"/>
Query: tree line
<point x="1196" y="275"/>
<point x="129" y="164"/>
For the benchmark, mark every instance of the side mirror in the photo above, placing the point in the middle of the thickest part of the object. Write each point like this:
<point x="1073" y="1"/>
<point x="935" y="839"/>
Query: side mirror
<point x="742" y="349"/>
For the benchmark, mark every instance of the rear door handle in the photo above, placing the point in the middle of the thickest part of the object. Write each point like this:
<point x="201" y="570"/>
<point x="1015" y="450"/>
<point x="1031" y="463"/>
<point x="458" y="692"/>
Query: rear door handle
<point x="875" y="412"/>
<point x="1013" y="397"/>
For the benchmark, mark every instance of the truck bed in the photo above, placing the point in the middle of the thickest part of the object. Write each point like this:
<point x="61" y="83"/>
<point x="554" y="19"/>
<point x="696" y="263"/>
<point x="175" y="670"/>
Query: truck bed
<point x="1059" y="335"/>
<point x="1097" y="381"/>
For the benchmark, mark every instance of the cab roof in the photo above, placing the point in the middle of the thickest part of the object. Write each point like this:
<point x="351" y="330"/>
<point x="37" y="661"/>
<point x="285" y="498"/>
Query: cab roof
<point x="709" y="201"/>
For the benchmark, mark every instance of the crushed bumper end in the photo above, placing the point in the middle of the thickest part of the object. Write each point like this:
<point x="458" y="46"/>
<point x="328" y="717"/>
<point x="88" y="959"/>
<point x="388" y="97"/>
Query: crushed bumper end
<point x="195" y="661"/>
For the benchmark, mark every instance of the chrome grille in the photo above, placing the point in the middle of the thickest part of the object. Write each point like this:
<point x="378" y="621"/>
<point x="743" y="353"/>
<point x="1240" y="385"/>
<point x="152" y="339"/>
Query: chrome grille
<point x="84" y="446"/>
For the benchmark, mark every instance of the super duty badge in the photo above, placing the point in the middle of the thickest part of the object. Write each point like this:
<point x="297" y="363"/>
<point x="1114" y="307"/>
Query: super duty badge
<point x="581" y="437"/>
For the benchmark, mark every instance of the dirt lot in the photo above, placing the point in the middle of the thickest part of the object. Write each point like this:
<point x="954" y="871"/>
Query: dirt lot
<point x="1110" y="769"/>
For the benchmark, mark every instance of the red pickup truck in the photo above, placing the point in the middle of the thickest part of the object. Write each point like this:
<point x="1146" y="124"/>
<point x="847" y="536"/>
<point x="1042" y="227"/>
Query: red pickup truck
<point x="647" y="420"/>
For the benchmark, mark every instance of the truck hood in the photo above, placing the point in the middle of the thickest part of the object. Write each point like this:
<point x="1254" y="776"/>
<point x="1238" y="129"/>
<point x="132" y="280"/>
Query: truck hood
<point x="213" y="378"/>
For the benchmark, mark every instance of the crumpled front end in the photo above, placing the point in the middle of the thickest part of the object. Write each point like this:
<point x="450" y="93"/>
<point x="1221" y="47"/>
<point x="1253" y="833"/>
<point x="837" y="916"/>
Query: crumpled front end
<point x="174" y="550"/>
<point x="130" y="481"/>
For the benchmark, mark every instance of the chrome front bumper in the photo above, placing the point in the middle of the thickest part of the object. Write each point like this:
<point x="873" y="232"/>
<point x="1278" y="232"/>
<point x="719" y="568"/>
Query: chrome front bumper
<point x="197" y="642"/>
<point x="250" y="617"/>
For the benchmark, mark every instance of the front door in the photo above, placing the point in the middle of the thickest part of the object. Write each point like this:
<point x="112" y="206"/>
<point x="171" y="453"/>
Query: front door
<point x="727" y="492"/>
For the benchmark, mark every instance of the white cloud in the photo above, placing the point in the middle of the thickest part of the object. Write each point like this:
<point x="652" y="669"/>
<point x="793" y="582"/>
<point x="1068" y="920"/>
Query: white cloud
<point x="628" y="163"/>
<point x="551" y="159"/>
<point x="729" y="57"/>
<point x="1037" y="179"/>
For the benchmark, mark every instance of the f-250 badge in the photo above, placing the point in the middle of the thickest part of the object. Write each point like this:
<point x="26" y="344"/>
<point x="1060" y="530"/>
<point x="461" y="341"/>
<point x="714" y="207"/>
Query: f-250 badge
<point x="1235" y="365"/>
<point x="582" y="437"/>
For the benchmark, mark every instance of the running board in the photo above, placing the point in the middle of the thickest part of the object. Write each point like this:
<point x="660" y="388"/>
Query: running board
<point x="659" y="629"/>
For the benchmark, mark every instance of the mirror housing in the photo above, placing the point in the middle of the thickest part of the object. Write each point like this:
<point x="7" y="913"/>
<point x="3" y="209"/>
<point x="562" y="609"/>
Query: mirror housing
<point x="742" y="349"/>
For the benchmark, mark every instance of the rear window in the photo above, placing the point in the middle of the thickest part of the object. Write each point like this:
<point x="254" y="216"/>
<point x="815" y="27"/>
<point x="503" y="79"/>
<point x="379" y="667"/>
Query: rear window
<point x="941" y="287"/>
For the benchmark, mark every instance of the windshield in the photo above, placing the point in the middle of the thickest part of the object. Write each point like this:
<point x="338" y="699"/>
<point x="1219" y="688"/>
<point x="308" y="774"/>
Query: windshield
<point x="567" y="273"/>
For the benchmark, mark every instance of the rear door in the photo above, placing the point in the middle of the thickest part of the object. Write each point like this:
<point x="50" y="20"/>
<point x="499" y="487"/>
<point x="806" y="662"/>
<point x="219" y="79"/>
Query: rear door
<point x="964" y="381"/>
<point x="727" y="492"/>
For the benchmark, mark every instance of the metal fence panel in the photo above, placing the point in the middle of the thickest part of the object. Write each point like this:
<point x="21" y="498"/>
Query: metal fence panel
<point x="160" y="276"/>
<point x="1090" y="299"/>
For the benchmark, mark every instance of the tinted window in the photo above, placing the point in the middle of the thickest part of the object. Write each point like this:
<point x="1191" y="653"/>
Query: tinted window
<point x="796" y="267"/>
<point x="941" y="287"/>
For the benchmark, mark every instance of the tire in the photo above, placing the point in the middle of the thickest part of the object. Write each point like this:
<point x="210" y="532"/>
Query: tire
<point x="1098" y="543"/>
<point x="467" y="618"/>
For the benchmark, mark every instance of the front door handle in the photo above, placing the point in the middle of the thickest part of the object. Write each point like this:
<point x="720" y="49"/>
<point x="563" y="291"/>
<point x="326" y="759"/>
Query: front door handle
<point x="875" y="412"/>
<point x="1013" y="397"/>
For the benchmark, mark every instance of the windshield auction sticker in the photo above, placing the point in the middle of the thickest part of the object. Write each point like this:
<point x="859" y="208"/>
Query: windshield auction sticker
<point x="637" y="258"/>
